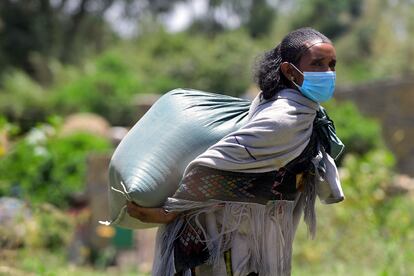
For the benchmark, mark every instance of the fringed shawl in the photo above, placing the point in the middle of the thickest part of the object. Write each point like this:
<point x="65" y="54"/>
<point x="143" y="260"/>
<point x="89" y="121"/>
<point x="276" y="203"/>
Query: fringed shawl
<point x="246" y="193"/>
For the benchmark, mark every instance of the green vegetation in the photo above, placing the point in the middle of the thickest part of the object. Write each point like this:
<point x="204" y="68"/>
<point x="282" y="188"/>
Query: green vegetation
<point x="370" y="233"/>
<point x="45" y="166"/>
<point x="29" y="231"/>
<point x="359" y="134"/>
<point x="55" y="264"/>
<point x="58" y="60"/>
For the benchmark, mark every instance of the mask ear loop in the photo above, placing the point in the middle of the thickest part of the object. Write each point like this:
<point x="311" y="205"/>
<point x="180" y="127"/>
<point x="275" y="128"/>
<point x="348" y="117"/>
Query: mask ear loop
<point x="292" y="78"/>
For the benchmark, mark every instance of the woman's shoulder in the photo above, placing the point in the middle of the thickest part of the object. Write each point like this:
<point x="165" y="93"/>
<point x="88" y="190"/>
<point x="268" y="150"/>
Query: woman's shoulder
<point x="288" y="105"/>
<point x="294" y="98"/>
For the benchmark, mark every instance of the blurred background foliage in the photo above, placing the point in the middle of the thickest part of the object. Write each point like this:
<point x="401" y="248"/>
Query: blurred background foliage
<point x="44" y="74"/>
<point x="62" y="57"/>
<point x="47" y="167"/>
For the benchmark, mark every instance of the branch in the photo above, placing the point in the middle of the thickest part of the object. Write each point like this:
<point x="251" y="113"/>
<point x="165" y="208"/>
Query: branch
<point x="70" y="34"/>
<point x="106" y="5"/>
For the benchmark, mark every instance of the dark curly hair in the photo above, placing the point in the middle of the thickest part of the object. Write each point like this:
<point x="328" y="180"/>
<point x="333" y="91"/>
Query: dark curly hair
<point x="268" y="75"/>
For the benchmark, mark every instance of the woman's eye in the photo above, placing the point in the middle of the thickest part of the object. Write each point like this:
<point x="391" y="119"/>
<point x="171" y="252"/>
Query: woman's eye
<point x="317" y="63"/>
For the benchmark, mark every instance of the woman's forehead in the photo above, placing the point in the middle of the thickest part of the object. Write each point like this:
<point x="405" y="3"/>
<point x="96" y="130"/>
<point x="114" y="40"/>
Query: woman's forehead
<point x="320" y="50"/>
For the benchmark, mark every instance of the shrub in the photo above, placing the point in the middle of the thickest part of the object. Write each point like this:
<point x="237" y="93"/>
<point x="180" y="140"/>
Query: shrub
<point x="22" y="100"/>
<point x="106" y="88"/>
<point x="359" y="134"/>
<point x="368" y="233"/>
<point x="46" y="167"/>
<point x="220" y="64"/>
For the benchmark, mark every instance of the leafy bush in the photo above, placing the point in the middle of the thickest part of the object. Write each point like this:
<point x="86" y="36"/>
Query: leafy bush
<point x="369" y="233"/>
<point x="106" y="88"/>
<point x="219" y="64"/>
<point x="359" y="134"/>
<point x="22" y="100"/>
<point x="46" y="167"/>
<point x="59" y="228"/>
<point x="33" y="225"/>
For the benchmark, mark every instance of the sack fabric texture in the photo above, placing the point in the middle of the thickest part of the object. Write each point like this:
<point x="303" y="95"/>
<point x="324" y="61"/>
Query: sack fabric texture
<point x="148" y="164"/>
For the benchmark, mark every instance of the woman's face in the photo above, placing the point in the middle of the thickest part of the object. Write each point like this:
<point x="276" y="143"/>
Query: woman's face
<point x="320" y="57"/>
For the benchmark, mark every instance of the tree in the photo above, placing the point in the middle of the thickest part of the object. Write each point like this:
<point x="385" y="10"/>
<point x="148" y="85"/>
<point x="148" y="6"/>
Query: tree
<point x="332" y="18"/>
<point x="32" y="32"/>
<point x="256" y="16"/>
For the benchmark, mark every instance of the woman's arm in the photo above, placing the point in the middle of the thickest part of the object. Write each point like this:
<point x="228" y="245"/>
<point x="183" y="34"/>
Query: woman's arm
<point x="150" y="215"/>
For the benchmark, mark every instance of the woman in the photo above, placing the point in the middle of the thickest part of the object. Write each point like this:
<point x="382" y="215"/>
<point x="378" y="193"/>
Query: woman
<point x="239" y="202"/>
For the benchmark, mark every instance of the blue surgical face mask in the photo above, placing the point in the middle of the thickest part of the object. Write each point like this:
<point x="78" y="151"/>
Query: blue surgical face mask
<point x="317" y="86"/>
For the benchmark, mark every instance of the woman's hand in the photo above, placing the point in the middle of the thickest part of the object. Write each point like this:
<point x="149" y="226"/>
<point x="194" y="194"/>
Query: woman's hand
<point x="150" y="215"/>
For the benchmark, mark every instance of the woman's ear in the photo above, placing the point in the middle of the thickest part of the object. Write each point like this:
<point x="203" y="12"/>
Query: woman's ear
<point x="287" y="71"/>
